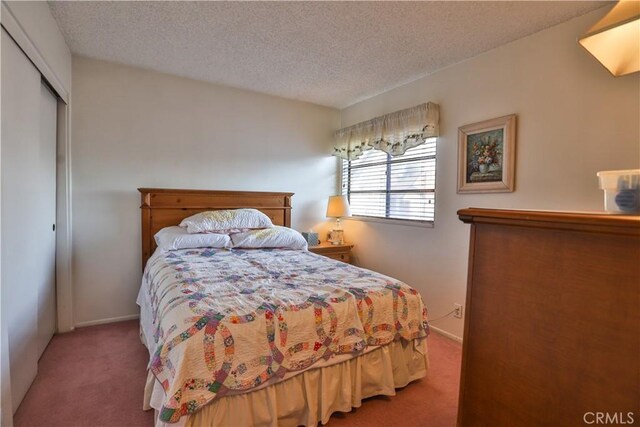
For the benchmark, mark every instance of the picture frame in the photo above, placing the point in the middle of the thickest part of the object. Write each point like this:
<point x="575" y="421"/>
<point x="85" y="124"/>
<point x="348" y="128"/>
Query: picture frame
<point x="486" y="156"/>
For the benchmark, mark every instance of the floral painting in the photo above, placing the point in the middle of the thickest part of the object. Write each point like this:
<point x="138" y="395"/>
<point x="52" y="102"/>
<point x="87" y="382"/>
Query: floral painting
<point x="486" y="156"/>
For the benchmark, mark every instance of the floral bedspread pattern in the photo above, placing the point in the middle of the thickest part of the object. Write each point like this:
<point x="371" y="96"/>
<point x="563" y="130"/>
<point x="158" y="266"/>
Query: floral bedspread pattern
<point x="233" y="320"/>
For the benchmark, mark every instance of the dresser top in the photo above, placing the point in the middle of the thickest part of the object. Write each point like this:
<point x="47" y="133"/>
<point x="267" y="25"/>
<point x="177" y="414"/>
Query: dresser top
<point x="587" y="221"/>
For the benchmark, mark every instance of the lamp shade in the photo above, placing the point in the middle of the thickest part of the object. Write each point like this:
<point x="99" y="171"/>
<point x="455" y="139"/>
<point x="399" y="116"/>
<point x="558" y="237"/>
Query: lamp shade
<point x="615" y="39"/>
<point x="338" y="207"/>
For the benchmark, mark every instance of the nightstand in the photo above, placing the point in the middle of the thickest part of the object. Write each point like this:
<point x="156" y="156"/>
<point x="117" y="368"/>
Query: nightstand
<point x="339" y="252"/>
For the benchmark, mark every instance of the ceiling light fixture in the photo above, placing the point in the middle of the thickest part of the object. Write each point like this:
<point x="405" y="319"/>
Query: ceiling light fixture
<point x="615" y="39"/>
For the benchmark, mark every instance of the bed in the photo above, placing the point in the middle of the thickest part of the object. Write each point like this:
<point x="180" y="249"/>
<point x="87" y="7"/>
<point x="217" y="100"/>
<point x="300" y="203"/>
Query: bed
<point x="266" y="336"/>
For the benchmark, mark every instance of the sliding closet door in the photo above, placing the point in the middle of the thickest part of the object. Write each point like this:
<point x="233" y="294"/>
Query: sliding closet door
<point x="20" y="133"/>
<point x="44" y="191"/>
<point x="28" y="191"/>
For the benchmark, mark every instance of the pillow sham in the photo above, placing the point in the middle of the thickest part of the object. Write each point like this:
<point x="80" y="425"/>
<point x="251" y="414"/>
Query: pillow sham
<point x="276" y="237"/>
<point x="173" y="238"/>
<point x="224" y="220"/>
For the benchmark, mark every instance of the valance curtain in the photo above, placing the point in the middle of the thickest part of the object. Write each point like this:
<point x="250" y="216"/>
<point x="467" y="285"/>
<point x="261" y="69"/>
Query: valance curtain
<point x="392" y="133"/>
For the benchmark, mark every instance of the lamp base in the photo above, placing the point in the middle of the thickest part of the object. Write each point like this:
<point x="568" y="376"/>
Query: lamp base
<point x="336" y="237"/>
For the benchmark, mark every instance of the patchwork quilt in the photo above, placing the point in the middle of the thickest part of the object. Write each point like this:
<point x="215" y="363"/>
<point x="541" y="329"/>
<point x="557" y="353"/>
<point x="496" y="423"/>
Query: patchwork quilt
<point x="232" y="320"/>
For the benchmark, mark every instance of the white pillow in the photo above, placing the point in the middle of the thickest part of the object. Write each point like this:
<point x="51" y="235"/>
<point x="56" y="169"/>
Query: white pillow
<point x="276" y="237"/>
<point x="173" y="238"/>
<point x="224" y="220"/>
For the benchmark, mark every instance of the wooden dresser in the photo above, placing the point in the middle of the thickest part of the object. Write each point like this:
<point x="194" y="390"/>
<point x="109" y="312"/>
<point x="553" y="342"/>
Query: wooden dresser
<point x="552" y="326"/>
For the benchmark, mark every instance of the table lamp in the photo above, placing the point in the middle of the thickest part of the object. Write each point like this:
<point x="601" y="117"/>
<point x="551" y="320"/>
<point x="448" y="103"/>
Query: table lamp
<point x="338" y="208"/>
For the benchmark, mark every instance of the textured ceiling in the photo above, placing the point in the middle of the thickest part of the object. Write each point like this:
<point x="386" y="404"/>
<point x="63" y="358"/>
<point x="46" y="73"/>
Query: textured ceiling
<point x="328" y="53"/>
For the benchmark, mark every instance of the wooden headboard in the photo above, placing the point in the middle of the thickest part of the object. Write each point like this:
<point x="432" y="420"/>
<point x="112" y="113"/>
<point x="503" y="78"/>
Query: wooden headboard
<point x="162" y="207"/>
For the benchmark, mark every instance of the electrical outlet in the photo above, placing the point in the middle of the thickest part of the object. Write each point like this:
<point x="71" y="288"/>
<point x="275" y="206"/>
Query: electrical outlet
<point x="458" y="311"/>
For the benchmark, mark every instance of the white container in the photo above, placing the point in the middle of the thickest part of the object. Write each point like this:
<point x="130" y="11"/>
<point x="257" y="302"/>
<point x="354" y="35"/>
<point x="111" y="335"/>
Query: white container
<point x="621" y="190"/>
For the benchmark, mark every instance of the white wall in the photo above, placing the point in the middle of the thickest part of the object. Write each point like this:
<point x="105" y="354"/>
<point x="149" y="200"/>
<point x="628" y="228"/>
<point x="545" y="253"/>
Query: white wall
<point x="574" y="119"/>
<point x="135" y="128"/>
<point x="35" y="30"/>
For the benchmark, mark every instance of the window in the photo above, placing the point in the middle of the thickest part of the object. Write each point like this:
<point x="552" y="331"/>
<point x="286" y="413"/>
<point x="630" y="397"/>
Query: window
<point x="401" y="187"/>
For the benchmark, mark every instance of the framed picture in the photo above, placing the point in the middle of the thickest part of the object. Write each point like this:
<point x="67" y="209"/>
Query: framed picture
<point x="486" y="156"/>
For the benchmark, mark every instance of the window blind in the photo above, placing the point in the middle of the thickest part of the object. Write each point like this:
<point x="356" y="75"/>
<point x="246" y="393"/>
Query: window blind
<point x="399" y="187"/>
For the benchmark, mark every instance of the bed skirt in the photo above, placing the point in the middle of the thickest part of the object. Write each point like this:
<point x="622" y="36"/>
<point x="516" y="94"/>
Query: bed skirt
<point x="313" y="395"/>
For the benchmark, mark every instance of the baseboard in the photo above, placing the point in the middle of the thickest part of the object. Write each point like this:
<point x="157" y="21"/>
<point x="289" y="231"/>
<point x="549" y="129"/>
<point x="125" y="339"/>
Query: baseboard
<point x="109" y="320"/>
<point x="137" y="316"/>
<point x="446" y="334"/>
